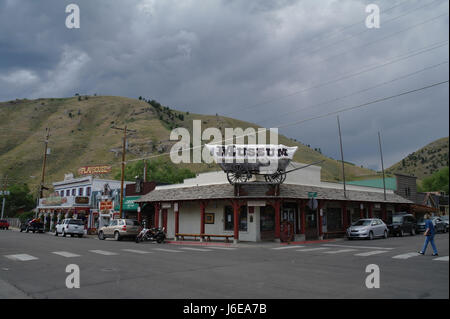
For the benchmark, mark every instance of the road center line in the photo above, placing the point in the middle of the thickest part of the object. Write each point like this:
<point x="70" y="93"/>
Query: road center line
<point x="287" y="247"/>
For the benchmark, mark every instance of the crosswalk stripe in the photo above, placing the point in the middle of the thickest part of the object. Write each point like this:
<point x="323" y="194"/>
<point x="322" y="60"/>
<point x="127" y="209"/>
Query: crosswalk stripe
<point x="348" y="246"/>
<point x="338" y="251"/>
<point x="103" y="252"/>
<point x="137" y="251"/>
<point x="224" y="248"/>
<point x="287" y="247"/>
<point x="21" y="257"/>
<point x="406" y="256"/>
<point x="370" y="253"/>
<point x="195" y="249"/>
<point x="312" y="249"/>
<point x="168" y="250"/>
<point x="445" y="258"/>
<point x="65" y="254"/>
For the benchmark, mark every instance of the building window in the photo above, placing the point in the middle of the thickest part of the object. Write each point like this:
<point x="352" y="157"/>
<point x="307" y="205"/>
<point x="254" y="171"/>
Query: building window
<point x="62" y="193"/>
<point x="80" y="191"/>
<point x="88" y="191"/>
<point x="67" y="192"/>
<point x="407" y="191"/>
<point x="229" y="218"/>
<point x="74" y="192"/>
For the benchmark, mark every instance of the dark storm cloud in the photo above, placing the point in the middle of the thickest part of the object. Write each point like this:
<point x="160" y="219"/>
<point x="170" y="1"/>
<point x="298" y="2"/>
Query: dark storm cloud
<point x="225" y="56"/>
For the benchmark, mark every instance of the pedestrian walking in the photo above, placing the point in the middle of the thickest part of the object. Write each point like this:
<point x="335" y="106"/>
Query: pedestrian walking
<point x="429" y="234"/>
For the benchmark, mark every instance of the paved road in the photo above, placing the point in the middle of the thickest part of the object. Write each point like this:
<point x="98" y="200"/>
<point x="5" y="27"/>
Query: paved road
<point x="33" y="266"/>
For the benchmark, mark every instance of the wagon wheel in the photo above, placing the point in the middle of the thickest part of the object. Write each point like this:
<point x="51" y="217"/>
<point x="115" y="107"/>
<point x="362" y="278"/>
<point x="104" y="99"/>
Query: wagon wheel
<point x="276" y="178"/>
<point x="237" y="177"/>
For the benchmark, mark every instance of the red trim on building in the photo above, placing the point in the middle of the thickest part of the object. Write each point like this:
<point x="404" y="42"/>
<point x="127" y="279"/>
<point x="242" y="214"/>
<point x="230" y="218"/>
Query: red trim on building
<point x="370" y="210"/>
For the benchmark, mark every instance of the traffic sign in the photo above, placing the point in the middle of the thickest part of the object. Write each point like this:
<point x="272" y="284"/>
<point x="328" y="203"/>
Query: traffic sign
<point x="312" y="194"/>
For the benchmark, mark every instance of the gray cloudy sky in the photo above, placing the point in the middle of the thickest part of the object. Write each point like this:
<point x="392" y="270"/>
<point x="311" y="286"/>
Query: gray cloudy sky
<point x="269" y="62"/>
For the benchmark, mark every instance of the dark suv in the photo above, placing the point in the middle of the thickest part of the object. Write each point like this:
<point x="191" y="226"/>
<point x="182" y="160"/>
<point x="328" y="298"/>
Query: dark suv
<point x="401" y="224"/>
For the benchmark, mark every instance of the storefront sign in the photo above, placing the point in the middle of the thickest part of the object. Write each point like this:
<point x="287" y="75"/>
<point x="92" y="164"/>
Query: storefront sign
<point x="106" y="205"/>
<point x="312" y="194"/>
<point x="256" y="203"/>
<point x="166" y="205"/>
<point x="81" y="200"/>
<point x="94" y="170"/>
<point x="53" y="201"/>
<point x="128" y="203"/>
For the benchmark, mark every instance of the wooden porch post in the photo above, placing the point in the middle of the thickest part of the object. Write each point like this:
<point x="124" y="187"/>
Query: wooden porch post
<point x="177" y="219"/>
<point x="384" y="213"/>
<point x="320" y="219"/>
<point x="361" y="211"/>
<point x="202" y="217"/>
<point x="139" y="213"/>
<point x="344" y="215"/>
<point x="277" y="205"/>
<point x="302" y="205"/>
<point x="157" y="215"/>
<point x="370" y="210"/>
<point x="236" y="221"/>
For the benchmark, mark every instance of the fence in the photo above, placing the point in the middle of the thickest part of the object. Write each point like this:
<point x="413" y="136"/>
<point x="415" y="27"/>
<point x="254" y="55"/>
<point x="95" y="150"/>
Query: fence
<point x="13" y="222"/>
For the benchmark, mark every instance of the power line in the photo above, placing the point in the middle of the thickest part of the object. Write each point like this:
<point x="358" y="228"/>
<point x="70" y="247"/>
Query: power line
<point x="368" y="68"/>
<point x="315" y="117"/>
<point x="357" y="92"/>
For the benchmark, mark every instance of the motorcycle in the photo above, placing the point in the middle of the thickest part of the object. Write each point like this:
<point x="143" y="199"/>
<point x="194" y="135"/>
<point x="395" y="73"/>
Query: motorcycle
<point x="151" y="234"/>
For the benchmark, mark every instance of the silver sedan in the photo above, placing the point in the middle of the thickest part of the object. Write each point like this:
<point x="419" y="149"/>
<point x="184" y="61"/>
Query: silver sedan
<point x="367" y="228"/>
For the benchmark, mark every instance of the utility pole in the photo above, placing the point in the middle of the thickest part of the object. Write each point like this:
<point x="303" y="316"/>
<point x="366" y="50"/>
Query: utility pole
<point x="5" y="186"/>
<point x="123" y="164"/>
<point x="41" y="188"/>
<point x="342" y="156"/>
<point x="382" y="165"/>
<point x="145" y="171"/>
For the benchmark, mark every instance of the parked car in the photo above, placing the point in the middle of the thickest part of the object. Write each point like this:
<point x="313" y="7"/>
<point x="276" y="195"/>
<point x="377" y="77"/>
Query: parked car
<point x="4" y="224"/>
<point x="445" y="220"/>
<point x="401" y="224"/>
<point x="70" y="226"/>
<point x="367" y="228"/>
<point x="32" y="225"/>
<point x="120" y="228"/>
<point x="439" y="225"/>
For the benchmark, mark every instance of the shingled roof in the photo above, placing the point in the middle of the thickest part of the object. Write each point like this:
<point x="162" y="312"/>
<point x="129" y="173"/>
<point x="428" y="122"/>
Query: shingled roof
<point x="260" y="191"/>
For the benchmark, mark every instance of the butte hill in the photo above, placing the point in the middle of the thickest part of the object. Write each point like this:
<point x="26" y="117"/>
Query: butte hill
<point x="82" y="134"/>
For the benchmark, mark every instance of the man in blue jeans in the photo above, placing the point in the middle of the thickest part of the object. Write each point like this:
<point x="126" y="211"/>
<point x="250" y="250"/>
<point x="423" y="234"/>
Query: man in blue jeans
<point x="429" y="233"/>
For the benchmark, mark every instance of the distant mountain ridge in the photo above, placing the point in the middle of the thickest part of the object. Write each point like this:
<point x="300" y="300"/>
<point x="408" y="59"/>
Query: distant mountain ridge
<point x="425" y="161"/>
<point x="81" y="134"/>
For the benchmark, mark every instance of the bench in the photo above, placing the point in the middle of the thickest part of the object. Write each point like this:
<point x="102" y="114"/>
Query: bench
<point x="328" y="233"/>
<point x="203" y="236"/>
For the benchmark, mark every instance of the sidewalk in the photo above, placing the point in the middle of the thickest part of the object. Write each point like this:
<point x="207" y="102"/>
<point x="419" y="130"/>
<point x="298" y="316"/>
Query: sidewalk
<point x="224" y="244"/>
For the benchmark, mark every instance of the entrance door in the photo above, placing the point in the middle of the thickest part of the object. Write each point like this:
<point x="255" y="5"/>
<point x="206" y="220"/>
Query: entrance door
<point x="311" y="230"/>
<point x="267" y="223"/>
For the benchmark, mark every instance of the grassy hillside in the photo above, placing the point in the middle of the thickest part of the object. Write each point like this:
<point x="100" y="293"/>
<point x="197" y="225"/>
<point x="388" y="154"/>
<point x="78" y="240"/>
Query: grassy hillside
<point x="424" y="162"/>
<point x="81" y="134"/>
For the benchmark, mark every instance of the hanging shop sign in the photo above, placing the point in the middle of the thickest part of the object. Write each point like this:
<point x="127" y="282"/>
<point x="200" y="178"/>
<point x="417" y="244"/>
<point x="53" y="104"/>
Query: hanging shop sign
<point x="106" y="205"/>
<point x="94" y="170"/>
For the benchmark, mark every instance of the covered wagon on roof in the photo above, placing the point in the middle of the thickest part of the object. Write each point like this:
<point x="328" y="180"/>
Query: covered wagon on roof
<point x="241" y="162"/>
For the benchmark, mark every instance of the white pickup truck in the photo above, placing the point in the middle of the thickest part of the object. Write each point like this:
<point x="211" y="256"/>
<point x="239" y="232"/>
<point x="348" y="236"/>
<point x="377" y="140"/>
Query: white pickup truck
<point x="70" y="227"/>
